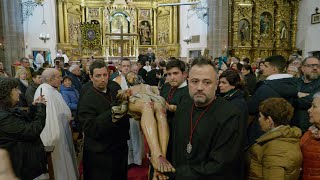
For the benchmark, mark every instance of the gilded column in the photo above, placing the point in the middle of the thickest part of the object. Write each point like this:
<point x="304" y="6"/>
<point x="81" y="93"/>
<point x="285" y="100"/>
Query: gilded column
<point x="61" y="24"/>
<point x="155" y="27"/>
<point x="65" y="14"/>
<point x="277" y="25"/>
<point x="83" y="18"/>
<point x="236" y="25"/>
<point x="175" y="25"/>
<point x="171" y="25"/>
<point x="294" y="24"/>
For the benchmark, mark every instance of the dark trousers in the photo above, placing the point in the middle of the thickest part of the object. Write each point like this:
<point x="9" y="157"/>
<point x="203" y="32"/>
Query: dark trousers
<point x="105" y="165"/>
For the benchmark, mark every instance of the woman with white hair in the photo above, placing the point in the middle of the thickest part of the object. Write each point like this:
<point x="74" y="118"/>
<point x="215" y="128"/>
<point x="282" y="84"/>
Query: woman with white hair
<point x="21" y="74"/>
<point x="310" y="143"/>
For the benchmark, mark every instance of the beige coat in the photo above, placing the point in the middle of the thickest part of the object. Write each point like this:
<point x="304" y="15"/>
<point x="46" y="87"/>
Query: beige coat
<point x="276" y="155"/>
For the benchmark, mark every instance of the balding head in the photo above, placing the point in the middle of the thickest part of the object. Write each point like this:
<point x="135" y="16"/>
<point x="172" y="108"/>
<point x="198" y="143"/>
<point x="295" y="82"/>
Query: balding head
<point x="75" y="69"/>
<point x="52" y="77"/>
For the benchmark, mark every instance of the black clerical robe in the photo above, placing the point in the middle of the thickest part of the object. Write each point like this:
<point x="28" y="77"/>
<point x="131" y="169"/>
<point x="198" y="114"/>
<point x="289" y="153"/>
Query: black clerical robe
<point x="174" y="97"/>
<point x="105" y="153"/>
<point x="216" y="143"/>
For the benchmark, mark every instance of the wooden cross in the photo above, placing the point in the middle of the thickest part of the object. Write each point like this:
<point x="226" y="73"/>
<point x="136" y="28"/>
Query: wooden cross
<point x="121" y="34"/>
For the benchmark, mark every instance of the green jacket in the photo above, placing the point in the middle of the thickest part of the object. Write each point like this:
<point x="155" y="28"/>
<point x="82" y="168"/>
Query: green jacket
<point x="276" y="155"/>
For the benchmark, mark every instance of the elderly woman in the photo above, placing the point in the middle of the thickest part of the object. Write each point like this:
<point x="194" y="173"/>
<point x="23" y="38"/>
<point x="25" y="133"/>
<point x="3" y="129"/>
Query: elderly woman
<point x="20" y="134"/>
<point x="21" y="74"/>
<point x="276" y="154"/>
<point x="310" y="143"/>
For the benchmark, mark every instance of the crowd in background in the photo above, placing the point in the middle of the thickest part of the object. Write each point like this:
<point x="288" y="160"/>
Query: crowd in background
<point x="278" y="98"/>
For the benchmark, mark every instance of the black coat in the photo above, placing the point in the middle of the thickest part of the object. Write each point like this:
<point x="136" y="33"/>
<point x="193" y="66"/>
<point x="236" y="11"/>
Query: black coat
<point x="29" y="95"/>
<point x="105" y="142"/>
<point x="301" y="105"/>
<point x="152" y="79"/>
<point x="22" y="99"/>
<point x="216" y="144"/>
<point x="251" y="81"/>
<point x="282" y="88"/>
<point x="76" y="82"/>
<point x="20" y="136"/>
<point x="143" y="73"/>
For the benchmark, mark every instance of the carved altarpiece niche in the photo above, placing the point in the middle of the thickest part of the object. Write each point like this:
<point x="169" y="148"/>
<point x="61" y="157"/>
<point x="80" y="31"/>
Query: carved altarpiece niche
<point x="93" y="27"/>
<point x="261" y="28"/>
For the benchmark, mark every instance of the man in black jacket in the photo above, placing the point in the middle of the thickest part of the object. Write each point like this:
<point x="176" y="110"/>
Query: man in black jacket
<point x="36" y="81"/>
<point x="277" y="84"/>
<point x="207" y="138"/>
<point x="308" y="85"/>
<point x="105" y="154"/>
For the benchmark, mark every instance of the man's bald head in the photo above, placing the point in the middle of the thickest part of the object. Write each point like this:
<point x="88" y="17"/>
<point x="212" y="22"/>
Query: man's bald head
<point x="51" y="76"/>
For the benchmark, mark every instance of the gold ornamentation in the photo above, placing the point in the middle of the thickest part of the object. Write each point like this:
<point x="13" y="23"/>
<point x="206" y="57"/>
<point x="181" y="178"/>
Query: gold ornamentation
<point x="161" y="32"/>
<point x="263" y="28"/>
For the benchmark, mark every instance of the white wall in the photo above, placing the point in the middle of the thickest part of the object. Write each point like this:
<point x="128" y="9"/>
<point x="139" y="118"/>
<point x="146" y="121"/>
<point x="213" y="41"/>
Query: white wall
<point x="197" y="27"/>
<point x="308" y="37"/>
<point x="33" y="27"/>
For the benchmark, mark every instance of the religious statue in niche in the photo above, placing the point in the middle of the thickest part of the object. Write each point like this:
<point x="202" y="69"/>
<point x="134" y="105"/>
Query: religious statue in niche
<point x="119" y="21"/>
<point x="74" y="30"/>
<point x="244" y="31"/>
<point x="265" y="24"/>
<point x="145" y="33"/>
<point x="283" y="31"/>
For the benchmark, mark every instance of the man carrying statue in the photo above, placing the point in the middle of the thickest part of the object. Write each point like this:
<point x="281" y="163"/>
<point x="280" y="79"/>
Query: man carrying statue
<point x="144" y="103"/>
<point x="106" y="126"/>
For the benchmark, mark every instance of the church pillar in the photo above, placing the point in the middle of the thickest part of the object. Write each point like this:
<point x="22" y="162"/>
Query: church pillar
<point x="65" y="14"/>
<point x="294" y="25"/>
<point x="218" y="27"/>
<point x="11" y="33"/>
<point x="171" y="25"/>
<point x="61" y="22"/>
<point x="155" y="29"/>
<point x="175" y="24"/>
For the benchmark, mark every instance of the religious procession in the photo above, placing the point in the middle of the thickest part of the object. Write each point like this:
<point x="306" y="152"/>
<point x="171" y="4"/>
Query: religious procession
<point x="159" y="90"/>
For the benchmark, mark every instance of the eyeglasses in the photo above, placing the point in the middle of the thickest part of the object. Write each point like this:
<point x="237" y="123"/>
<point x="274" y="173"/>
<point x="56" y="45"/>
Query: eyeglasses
<point x="312" y="65"/>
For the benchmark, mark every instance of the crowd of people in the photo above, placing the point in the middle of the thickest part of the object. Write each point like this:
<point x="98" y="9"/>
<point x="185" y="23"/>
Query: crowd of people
<point x="228" y="119"/>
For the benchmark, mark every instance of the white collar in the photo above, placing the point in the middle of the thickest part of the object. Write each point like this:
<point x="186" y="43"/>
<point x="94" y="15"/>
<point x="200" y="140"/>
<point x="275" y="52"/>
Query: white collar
<point x="279" y="76"/>
<point x="183" y="84"/>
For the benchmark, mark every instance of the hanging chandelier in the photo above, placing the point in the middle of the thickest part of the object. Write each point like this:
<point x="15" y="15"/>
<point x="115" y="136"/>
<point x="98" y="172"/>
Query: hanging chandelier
<point x="188" y="37"/>
<point x="44" y="36"/>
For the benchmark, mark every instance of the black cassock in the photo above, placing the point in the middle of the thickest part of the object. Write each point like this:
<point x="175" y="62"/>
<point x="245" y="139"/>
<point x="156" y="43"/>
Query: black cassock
<point x="105" y="155"/>
<point x="217" y="142"/>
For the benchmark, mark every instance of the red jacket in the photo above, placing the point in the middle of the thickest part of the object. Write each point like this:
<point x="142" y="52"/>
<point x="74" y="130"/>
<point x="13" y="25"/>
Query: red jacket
<point x="310" y="148"/>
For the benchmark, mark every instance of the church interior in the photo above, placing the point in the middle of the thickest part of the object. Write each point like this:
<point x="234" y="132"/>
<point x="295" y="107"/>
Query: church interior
<point x="172" y="28"/>
<point x="110" y="30"/>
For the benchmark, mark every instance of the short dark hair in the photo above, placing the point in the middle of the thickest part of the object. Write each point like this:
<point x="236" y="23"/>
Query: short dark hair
<point x="279" y="109"/>
<point x="278" y="62"/>
<point x="248" y="68"/>
<point x="305" y="59"/>
<point x="247" y="60"/>
<point x="176" y="63"/>
<point x="124" y="59"/>
<point x="200" y="61"/>
<point x="162" y="63"/>
<point x="36" y="73"/>
<point x="66" y="65"/>
<point x="233" y="78"/>
<point x="6" y="86"/>
<point x="97" y="65"/>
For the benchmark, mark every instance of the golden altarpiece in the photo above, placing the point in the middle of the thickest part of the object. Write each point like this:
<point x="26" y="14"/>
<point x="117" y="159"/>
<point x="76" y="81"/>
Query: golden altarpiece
<point x="260" y="28"/>
<point x="109" y="29"/>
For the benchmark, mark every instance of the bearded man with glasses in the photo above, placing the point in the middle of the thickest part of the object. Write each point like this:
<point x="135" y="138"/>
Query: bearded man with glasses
<point x="308" y="85"/>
